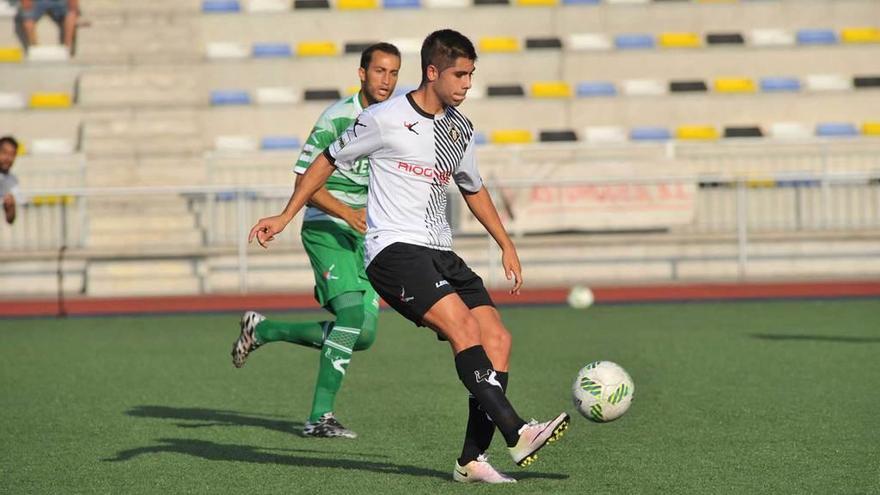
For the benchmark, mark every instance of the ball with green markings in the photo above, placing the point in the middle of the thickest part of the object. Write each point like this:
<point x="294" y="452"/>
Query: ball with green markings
<point x="602" y="391"/>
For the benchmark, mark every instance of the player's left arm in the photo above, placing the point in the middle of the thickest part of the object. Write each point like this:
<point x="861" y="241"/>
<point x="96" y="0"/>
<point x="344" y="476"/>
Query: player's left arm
<point x="481" y="205"/>
<point x="9" y="208"/>
<point x="469" y="182"/>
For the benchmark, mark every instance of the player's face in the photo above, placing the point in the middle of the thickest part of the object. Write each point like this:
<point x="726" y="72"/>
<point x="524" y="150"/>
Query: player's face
<point x="7" y="157"/>
<point x="454" y="82"/>
<point x="380" y="78"/>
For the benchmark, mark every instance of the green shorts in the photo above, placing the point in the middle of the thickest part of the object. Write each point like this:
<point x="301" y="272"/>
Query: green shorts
<point x="337" y="256"/>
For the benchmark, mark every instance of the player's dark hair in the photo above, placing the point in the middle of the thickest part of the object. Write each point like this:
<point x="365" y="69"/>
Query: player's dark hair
<point x="9" y="139"/>
<point x="441" y="49"/>
<point x="367" y="54"/>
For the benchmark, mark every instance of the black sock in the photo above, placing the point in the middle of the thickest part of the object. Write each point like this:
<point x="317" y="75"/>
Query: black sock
<point x="475" y="371"/>
<point x="480" y="429"/>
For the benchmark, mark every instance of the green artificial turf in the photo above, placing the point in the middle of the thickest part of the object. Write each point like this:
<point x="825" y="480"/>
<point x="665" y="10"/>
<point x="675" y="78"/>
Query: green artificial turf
<point x="749" y="397"/>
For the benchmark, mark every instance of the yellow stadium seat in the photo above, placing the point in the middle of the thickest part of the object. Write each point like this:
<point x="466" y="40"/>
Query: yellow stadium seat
<point x="352" y="90"/>
<point x="50" y="100"/>
<point x="499" y="44"/>
<point x="357" y="4"/>
<point x="860" y="35"/>
<point x="537" y="3"/>
<point x="11" y="54"/>
<point x="52" y="200"/>
<point x="551" y="89"/>
<point x="760" y="182"/>
<point x="22" y="149"/>
<point x="734" y="85"/>
<point x="680" y="40"/>
<point x="697" y="132"/>
<point x="871" y="128"/>
<point x="511" y="136"/>
<point x="316" y="49"/>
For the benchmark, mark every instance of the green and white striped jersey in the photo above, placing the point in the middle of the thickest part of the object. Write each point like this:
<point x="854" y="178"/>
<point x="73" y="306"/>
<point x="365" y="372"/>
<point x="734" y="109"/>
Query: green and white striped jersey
<point x="348" y="186"/>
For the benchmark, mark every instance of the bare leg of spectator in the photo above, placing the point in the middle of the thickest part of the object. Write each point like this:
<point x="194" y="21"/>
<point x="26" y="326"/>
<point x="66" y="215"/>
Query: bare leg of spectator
<point x="70" y="21"/>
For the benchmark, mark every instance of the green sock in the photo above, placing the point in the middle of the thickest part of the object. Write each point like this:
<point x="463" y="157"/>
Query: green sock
<point x="310" y="334"/>
<point x="336" y="351"/>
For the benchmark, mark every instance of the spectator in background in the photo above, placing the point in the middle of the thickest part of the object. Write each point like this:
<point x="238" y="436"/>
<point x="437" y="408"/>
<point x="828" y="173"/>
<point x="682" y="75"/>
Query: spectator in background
<point x="8" y="182"/>
<point x="65" y="13"/>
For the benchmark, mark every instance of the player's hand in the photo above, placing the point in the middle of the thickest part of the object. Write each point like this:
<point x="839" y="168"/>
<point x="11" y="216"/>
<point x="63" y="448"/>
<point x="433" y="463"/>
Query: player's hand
<point x="8" y="200"/>
<point x="266" y="229"/>
<point x="512" y="269"/>
<point x="357" y="219"/>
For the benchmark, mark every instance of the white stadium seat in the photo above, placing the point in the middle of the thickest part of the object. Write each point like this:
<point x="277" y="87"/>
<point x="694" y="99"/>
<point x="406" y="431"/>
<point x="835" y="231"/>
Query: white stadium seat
<point x="644" y="87"/>
<point x="828" y="82"/>
<point x="589" y="41"/>
<point x="790" y="130"/>
<point x="227" y="50"/>
<point x="48" y="53"/>
<point x="235" y="143"/>
<point x="52" y="147"/>
<point x="277" y="96"/>
<point x="605" y="134"/>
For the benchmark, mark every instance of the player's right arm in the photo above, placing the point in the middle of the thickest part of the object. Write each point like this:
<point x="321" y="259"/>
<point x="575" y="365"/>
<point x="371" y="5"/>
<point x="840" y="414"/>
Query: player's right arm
<point x="323" y="135"/>
<point x="361" y="139"/>
<point x="315" y="177"/>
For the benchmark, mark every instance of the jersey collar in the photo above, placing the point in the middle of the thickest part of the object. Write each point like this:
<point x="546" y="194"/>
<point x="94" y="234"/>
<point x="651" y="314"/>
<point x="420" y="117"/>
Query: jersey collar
<point x="418" y="109"/>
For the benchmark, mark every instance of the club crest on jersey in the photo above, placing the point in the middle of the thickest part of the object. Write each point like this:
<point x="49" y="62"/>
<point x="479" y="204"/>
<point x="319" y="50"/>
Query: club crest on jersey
<point x="454" y="134"/>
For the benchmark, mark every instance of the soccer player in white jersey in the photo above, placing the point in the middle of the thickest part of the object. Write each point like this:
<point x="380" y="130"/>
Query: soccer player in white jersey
<point x="333" y="236"/>
<point x="417" y="144"/>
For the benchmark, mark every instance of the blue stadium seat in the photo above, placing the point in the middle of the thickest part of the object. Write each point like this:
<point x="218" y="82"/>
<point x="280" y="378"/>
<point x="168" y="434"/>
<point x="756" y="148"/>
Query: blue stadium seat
<point x="401" y="4"/>
<point x="596" y="88"/>
<point x="634" y="41"/>
<point x="272" y="50"/>
<point x="581" y="2"/>
<point x="780" y="84"/>
<point x="230" y="97"/>
<point x="480" y="138"/>
<point x="836" y="129"/>
<point x="816" y="37"/>
<point x="280" y="143"/>
<point x="220" y="6"/>
<point x="649" y="134"/>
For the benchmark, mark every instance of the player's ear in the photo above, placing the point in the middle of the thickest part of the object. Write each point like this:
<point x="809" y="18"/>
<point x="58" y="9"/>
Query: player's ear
<point x="432" y="72"/>
<point x="362" y="74"/>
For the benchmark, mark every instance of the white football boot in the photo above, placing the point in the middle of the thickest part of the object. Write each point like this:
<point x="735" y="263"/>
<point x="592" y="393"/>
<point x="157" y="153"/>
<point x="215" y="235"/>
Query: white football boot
<point x="534" y="435"/>
<point x="479" y="471"/>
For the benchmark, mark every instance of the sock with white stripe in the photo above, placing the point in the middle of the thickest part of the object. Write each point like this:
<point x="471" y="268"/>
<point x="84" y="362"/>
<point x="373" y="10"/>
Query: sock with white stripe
<point x="335" y="356"/>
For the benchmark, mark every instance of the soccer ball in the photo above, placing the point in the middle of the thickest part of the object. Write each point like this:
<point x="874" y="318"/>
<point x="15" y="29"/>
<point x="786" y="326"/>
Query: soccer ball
<point x="602" y="391"/>
<point x="580" y="297"/>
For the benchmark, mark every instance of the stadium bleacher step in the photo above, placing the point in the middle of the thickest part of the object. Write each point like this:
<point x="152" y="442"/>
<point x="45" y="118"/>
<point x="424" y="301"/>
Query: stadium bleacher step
<point x="145" y="87"/>
<point x="166" y="238"/>
<point x="144" y="286"/>
<point x="40" y="278"/>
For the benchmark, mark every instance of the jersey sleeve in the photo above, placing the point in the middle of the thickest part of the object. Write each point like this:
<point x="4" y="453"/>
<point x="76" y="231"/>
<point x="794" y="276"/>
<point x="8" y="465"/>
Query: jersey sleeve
<point x="319" y="139"/>
<point x="466" y="176"/>
<point x="361" y="139"/>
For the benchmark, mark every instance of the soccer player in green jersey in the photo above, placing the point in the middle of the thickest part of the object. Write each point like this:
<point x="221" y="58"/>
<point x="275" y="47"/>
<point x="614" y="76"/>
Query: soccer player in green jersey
<point x="333" y="236"/>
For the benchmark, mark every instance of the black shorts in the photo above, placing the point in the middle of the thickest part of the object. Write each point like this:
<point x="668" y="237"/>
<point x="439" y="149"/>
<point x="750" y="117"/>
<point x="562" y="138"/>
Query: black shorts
<point x="413" y="278"/>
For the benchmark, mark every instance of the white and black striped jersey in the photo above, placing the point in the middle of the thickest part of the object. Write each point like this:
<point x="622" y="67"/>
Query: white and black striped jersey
<point x="413" y="156"/>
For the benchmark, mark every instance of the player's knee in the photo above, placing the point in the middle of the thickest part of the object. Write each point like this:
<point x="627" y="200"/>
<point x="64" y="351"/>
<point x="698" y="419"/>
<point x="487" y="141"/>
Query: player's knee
<point x="366" y="338"/>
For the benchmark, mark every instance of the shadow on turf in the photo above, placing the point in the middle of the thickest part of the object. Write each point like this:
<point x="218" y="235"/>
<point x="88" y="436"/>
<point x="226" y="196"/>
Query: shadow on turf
<point x="213" y="451"/>
<point x="213" y="417"/>
<point x="819" y="338"/>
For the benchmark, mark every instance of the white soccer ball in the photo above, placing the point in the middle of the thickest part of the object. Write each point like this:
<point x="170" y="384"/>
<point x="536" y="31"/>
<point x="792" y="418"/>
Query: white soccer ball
<point x="580" y="297"/>
<point x="602" y="391"/>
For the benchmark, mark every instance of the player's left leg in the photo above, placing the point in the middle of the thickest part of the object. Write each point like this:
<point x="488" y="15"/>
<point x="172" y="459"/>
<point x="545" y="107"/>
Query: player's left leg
<point x="334" y="360"/>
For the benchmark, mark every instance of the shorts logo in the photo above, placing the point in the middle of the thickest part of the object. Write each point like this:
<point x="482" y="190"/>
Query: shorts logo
<point x="328" y="275"/>
<point x="441" y="284"/>
<point x="403" y="297"/>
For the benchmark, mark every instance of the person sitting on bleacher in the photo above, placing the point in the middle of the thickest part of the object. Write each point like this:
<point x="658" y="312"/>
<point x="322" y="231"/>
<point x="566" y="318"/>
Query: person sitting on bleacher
<point x="65" y="13"/>
<point x="8" y="182"/>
